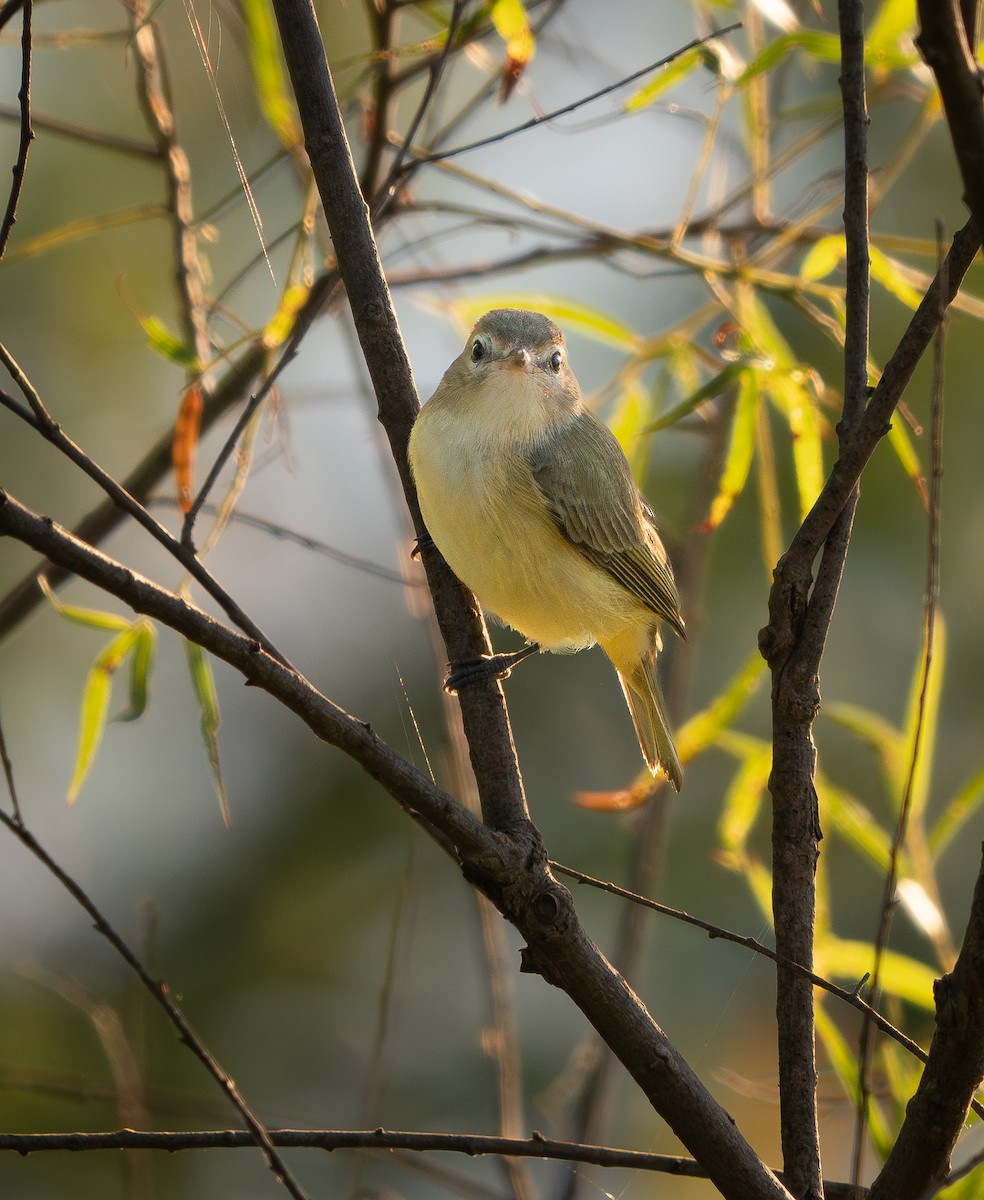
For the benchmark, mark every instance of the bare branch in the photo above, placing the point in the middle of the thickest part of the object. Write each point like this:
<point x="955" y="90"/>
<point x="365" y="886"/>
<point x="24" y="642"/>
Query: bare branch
<point x="26" y="132"/>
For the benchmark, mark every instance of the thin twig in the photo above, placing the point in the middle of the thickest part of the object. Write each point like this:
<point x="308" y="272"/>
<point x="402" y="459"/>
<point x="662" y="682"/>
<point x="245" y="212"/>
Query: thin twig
<point x="544" y="118"/>
<point x="26" y="132"/>
<point x="471" y="1144"/>
<point x="8" y="771"/>
<point x="930" y="609"/>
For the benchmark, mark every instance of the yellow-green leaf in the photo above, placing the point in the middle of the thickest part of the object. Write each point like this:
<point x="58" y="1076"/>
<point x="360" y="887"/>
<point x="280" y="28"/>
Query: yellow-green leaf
<point x="899" y="976"/>
<point x="592" y="322"/>
<point x="664" y="79"/>
<point x="208" y="703"/>
<point x="95" y="706"/>
<point x="744" y="797"/>
<point x="905" y="452"/>
<point x="855" y="823"/>
<point x="714" y="387"/>
<point x="512" y="24"/>
<point x="963" y="806"/>
<point x="704" y="728"/>
<point x="822" y="46"/>
<point x="83" y="616"/>
<point x="627" y="422"/>
<point x="823" y="257"/>
<point x="281" y="324"/>
<point x="268" y="74"/>
<point x="161" y="339"/>
<point x="141" y="662"/>
<point x="738" y="460"/>
<point x="889" y="274"/>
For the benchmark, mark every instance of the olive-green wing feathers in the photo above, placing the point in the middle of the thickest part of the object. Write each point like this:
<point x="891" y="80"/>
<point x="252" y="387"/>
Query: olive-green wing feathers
<point x="601" y="513"/>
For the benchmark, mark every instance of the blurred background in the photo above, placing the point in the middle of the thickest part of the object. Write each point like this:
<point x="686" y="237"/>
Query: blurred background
<point x="325" y="951"/>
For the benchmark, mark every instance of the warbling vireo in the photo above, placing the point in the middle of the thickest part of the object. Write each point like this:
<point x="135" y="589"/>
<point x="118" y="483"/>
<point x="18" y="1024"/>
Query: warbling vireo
<point x="532" y="503"/>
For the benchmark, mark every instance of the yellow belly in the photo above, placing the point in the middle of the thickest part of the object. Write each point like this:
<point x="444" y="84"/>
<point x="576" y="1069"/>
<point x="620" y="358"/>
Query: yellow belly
<point x="496" y="534"/>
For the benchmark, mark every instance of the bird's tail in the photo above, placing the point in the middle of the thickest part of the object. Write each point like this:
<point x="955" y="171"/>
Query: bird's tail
<point x="644" y="697"/>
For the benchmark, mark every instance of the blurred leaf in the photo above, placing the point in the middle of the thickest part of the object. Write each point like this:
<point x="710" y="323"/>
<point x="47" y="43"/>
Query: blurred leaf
<point x="664" y="79"/>
<point x="882" y="737"/>
<point x="929" y="724"/>
<point x="593" y="323"/>
<point x="900" y="975"/>
<point x="513" y="25"/>
<point x="271" y="86"/>
<point x="894" y="21"/>
<point x="843" y="1059"/>
<point x="957" y="812"/>
<point x="95" y="705"/>
<point x="185" y="443"/>
<point x="627" y="422"/>
<point x="855" y="823"/>
<point x="281" y="324"/>
<point x="714" y="387"/>
<point x="889" y="274"/>
<point x="823" y="257"/>
<point x="793" y="396"/>
<point x="208" y="703"/>
<point x="744" y="798"/>
<point x="901" y="443"/>
<point x="83" y="616"/>
<point x="738" y="460"/>
<point x="163" y="341"/>
<point x="74" y="231"/>
<point x="704" y="728"/>
<point x="822" y="46"/>
<point x="141" y="663"/>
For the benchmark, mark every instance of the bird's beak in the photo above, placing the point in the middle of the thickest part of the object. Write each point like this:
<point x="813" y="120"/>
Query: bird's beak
<point x="521" y="358"/>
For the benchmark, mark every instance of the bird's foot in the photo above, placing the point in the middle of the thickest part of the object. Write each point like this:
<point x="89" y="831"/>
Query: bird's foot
<point x="484" y="666"/>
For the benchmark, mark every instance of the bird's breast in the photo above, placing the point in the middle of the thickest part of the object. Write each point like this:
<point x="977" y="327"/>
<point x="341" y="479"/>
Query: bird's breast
<point x="489" y="519"/>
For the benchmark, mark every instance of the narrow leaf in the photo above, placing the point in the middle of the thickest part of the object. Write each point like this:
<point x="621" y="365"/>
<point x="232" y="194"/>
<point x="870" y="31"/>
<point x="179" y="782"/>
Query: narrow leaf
<point x="738" y="460"/>
<point x="714" y="387"/>
<point x="208" y="703"/>
<point x="83" y="616"/>
<point x="665" y="79"/>
<point x="704" y="728"/>
<point x="957" y="812"/>
<point x="592" y="322"/>
<point x="186" y="429"/>
<point x="95" y="707"/>
<point x="141" y="662"/>
<point x="900" y="976"/>
<point x="161" y="339"/>
<point x="268" y="74"/>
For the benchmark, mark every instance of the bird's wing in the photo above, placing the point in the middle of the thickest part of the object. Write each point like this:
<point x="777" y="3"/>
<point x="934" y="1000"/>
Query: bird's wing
<point x="601" y="513"/>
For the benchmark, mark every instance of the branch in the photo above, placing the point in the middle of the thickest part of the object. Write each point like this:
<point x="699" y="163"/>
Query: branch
<point x="942" y="41"/>
<point x="472" y="1144"/>
<point x="26" y="132"/>
<point x="934" y="1117"/>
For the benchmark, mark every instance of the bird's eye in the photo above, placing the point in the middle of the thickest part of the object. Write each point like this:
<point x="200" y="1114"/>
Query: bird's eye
<point x="556" y="361"/>
<point x="478" y="350"/>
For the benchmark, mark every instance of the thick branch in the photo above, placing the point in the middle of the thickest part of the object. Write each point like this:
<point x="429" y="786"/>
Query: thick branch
<point x="934" y="1117"/>
<point x="942" y="41"/>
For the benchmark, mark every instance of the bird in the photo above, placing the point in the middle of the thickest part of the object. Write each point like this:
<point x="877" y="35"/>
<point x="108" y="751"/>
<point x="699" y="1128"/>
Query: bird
<point x="531" y="501"/>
